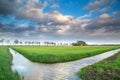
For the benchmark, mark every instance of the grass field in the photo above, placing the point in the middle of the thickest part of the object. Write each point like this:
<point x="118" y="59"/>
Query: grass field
<point x="47" y="54"/>
<point x="5" y="63"/>
<point x="108" y="69"/>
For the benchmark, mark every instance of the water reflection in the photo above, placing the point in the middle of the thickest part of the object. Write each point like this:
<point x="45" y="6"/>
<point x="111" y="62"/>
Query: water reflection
<point x="59" y="71"/>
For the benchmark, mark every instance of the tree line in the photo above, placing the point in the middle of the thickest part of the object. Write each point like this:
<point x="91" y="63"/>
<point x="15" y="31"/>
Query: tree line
<point x="46" y="43"/>
<point x="18" y="42"/>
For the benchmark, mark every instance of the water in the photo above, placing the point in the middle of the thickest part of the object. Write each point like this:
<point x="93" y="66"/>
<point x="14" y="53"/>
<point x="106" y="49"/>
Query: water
<point x="59" y="71"/>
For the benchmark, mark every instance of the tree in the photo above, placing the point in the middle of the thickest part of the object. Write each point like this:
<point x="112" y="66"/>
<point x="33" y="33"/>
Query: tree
<point x="61" y="44"/>
<point x="26" y="42"/>
<point x="54" y="44"/>
<point x="20" y="43"/>
<point x="16" y="41"/>
<point x="29" y="42"/>
<point x="74" y="44"/>
<point x="46" y="43"/>
<point x="7" y="41"/>
<point x="32" y="42"/>
<point x="39" y="43"/>
<point x="1" y="41"/>
<point x="79" y="43"/>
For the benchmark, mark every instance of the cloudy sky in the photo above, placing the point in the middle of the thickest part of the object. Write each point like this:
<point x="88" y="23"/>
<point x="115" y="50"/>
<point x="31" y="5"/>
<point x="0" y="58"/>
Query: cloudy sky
<point x="94" y="21"/>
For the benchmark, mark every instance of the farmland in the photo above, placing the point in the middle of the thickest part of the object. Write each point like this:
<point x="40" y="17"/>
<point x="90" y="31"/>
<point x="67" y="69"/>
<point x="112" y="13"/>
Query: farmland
<point x="55" y="54"/>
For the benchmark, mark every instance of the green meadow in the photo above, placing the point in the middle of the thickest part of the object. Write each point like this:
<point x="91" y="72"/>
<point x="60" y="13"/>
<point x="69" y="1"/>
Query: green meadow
<point x="5" y="65"/>
<point x="108" y="69"/>
<point x="55" y="54"/>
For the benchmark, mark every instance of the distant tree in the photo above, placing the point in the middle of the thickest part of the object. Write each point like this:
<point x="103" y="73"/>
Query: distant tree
<point x="58" y="44"/>
<point x="29" y="42"/>
<point x="79" y="43"/>
<point x="74" y="44"/>
<point x="39" y="43"/>
<point x="26" y="42"/>
<point x="36" y="43"/>
<point x="2" y="41"/>
<point x="46" y="43"/>
<point x="54" y="44"/>
<point x="61" y="44"/>
<point x="7" y="41"/>
<point x="20" y="43"/>
<point x="66" y="44"/>
<point x="32" y="42"/>
<point x="16" y="41"/>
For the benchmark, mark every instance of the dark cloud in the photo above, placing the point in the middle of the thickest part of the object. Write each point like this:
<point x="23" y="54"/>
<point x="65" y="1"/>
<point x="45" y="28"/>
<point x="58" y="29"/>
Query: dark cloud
<point x="102" y="6"/>
<point x="116" y="14"/>
<point x="97" y="4"/>
<point x="106" y="22"/>
<point x="12" y="28"/>
<point x="7" y="7"/>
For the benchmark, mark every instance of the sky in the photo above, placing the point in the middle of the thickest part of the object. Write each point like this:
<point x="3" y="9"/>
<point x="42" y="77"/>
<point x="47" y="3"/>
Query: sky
<point x="93" y="21"/>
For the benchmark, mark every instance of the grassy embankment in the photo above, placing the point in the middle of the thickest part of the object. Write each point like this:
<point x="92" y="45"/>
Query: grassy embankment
<point x="47" y="54"/>
<point x="5" y="63"/>
<point x="108" y="69"/>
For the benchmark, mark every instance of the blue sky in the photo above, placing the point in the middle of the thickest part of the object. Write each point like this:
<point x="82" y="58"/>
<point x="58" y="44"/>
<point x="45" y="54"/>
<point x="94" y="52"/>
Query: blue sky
<point x="70" y="7"/>
<point x="94" y="21"/>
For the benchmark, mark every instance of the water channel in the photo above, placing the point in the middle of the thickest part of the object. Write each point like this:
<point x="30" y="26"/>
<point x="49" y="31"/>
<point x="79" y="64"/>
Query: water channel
<point x="58" y="71"/>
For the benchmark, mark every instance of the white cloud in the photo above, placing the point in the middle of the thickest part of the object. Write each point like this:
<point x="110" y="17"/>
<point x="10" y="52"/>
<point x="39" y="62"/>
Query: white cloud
<point x="44" y="29"/>
<point x="86" y="15"/>
<point x="105" y="9"/>
<point x="55" y="6"/>
<point x="62" y="29"/>
<point x="22" y="25"/>
<point x="104" y="16"/>
<point x="31" y="10"/>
